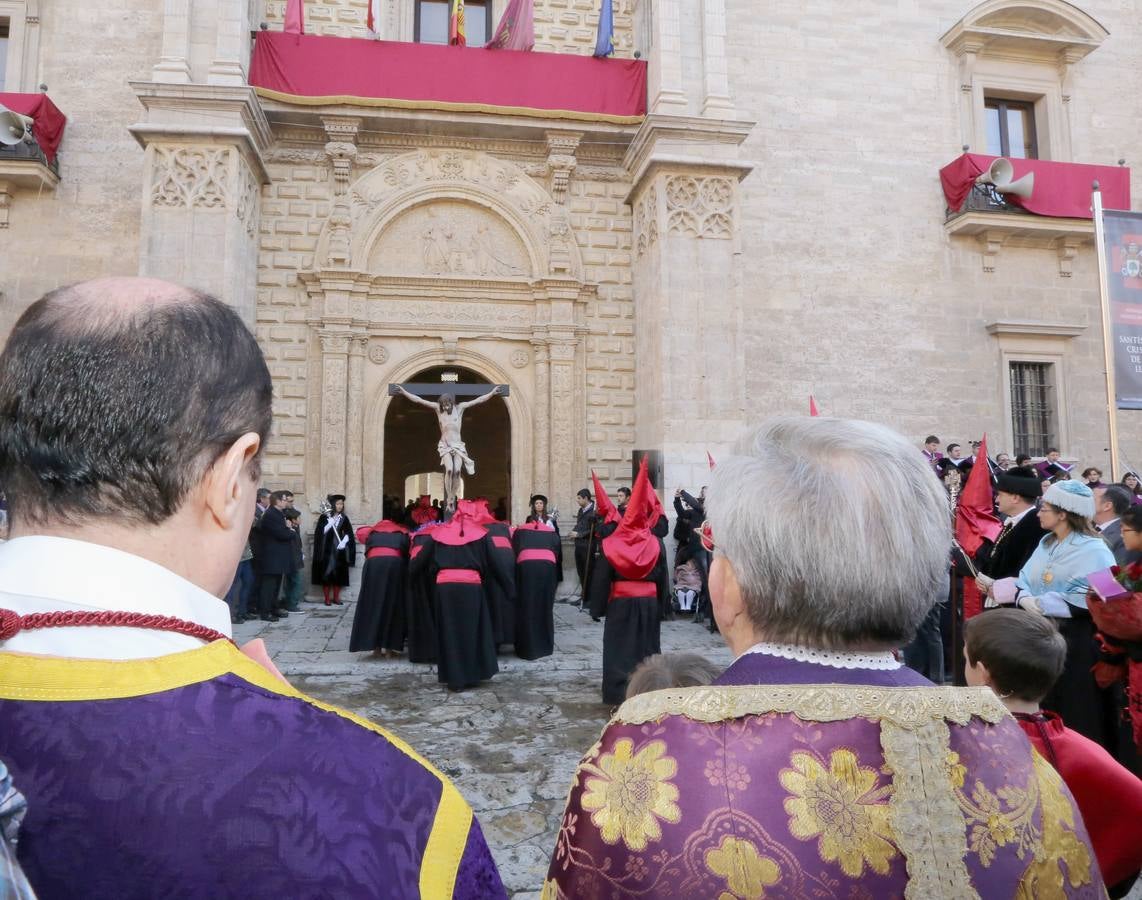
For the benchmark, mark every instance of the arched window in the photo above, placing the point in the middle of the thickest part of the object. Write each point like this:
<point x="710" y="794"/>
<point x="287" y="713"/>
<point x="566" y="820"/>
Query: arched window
<point x="1015" y="61"/>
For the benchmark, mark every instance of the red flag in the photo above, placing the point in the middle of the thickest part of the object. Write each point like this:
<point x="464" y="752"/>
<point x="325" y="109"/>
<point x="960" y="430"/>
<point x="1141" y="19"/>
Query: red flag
<point x="516" y="30"/>
<point x="604" y="508"/>
<point x="294" y="17"/>
<point x="813" y="406"/>
<point x="975" y="521"/>
<point x="710" y="460"/>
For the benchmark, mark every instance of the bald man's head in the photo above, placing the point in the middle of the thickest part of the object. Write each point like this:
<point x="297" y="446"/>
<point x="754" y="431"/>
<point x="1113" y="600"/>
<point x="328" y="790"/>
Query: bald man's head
<point x="116" y="395"/>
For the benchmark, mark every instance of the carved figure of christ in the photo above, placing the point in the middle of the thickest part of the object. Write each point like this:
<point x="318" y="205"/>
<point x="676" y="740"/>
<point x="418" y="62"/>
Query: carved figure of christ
<point x="454" y="456"/>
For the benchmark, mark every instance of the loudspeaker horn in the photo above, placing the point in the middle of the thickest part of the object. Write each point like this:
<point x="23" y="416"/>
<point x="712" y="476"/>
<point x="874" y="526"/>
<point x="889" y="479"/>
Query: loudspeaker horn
<point x="13" y="126"/>
<point x="999" y="176"/>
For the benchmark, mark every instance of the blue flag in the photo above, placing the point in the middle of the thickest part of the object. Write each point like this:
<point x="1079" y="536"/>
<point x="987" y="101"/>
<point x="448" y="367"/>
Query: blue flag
<point x="605" y="42"/>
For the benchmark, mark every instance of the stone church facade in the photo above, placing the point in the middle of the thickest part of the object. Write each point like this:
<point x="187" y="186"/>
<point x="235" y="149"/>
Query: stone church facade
<point x="772" y="228"/>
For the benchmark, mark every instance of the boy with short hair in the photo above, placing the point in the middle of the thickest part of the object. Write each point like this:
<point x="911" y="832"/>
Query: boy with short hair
<point x="1020" y="655"/>
<point x="293" y="585"/>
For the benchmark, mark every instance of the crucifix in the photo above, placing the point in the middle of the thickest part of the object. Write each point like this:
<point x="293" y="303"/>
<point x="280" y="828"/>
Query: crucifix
<point x="449" y="414"/>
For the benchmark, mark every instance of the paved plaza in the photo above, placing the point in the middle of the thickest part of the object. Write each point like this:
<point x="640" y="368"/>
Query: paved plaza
<point x="510" y="746"/>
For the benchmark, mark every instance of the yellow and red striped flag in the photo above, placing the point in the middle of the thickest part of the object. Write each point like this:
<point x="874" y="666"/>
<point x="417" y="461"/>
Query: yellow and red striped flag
<point x="457" y="34"/>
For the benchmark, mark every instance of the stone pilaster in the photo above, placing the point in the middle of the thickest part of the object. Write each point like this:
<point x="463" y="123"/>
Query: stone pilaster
<point x="664" y="71"/>
<point x="561" y="351"/>
<point x="542" y="478"/>
<point x="173" y="66"/>
<point x="716" y="101"/>
<point x="354" y="442"/>
<point x="231" y="42"/>
<point x="201" y="198"/>
<point x="334" y="408"/>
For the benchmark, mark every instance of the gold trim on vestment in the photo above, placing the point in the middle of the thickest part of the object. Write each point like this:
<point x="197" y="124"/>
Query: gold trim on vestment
<point x="59" y="679"/>
<point x="908" y="708"/>
<point x="927" y="822"/>
<point x="448" y="106"/>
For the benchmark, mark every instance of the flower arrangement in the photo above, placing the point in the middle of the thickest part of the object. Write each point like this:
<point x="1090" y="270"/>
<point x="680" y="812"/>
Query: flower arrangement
<point x="1115" y="604"/>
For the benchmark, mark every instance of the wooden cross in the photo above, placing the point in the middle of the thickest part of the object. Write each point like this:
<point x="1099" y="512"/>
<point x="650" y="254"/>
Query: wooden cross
<point x="458" y="390"/>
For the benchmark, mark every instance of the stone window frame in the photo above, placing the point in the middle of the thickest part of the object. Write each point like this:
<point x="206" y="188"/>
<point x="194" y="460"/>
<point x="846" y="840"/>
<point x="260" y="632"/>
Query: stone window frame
<point x="1021" y="50"/>
<point x="20" y="73"/>
<point x="1035" y="342"/>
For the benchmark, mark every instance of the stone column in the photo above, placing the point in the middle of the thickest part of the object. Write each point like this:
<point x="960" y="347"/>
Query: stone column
<point x="664" y="72"/>
<point x="334" y="387"/>
<point x="541" y="472"/>
<point x="231" y="43"/>
<point x="563" y="433"/>
<point x="173" y="66"/>
<point x="716" y="101"/>
<point x="355" y="447"/>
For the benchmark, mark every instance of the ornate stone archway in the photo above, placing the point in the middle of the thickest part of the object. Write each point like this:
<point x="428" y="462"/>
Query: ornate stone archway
<point x="436" y="258"/>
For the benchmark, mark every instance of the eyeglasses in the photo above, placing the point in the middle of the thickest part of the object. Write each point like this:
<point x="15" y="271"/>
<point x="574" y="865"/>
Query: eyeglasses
<point x="706" y="535"/>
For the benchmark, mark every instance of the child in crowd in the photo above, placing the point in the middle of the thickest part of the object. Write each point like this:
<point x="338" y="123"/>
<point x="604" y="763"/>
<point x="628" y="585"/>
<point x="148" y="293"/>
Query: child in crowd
<point x="293" y="585"/>
<point x="687" y="585"/>
<point x="671" y="670"/>
<point x="1020" y="655"/>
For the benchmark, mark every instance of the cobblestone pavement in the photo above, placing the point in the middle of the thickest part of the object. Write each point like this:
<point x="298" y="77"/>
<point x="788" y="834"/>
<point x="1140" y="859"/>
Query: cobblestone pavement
<point x="510" y="746"/>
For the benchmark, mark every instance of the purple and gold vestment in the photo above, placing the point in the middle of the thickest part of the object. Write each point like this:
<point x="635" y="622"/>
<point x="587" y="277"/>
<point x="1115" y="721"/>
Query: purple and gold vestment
<point x="789" y="779"/>
<point x="199" y="774"/>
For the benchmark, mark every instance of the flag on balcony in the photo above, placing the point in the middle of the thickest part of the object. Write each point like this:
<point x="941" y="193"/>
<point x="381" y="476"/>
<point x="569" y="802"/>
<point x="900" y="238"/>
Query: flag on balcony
<point x="516" y="30"/>
<point x="457" y="34"/>
<point x="294" y="17"/>
<point x="605" y="42"/>
<point x="373" y="19"/>
<point x="813" y="406"/>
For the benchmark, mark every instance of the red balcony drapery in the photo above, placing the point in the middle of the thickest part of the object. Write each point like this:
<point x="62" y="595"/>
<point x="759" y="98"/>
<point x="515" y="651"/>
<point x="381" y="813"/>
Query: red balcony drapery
<point x="1061" y="189"/>
<point x="317" y="70"/>
<point x="47" y="121"/>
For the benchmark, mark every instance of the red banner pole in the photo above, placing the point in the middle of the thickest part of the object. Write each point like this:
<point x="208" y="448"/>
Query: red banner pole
<point x="1107" y="331"/>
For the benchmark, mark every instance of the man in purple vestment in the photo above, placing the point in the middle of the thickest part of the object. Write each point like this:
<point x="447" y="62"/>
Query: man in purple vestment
<point x="817" y="766"/>
<point x="159" y="760"/>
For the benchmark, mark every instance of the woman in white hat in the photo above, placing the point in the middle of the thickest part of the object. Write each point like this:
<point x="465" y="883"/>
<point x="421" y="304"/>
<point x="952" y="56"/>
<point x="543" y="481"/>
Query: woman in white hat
<point x="1054" y="583"/>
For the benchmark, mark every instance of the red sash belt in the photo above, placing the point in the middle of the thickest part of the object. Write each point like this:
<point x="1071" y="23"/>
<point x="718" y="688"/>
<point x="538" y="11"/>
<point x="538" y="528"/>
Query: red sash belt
<point x="633" y="589"/>
<point x="458" y="576"/>
<point x="374" y="552"/>
<point x="416" y="548"/>
<point x="536" y="556"/>
<point x="501" y="542"/>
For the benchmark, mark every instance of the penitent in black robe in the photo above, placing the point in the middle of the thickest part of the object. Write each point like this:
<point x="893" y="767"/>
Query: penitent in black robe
<point x="330" y="565"/>
<point x="502" y="602"/>
<point x="379" y="622"/>
<point x="633" y="628"/>
<point x="421" y="618"/>
<point x="537" y="574"/>
<point x="465" y="640"/>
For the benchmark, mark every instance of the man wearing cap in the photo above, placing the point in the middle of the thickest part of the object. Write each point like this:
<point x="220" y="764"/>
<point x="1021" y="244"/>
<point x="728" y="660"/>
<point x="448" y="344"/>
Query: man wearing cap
<point x="1016" y="492"/>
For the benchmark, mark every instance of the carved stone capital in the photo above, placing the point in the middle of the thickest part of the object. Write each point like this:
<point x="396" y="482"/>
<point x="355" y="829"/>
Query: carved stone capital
<point x="334" y="343"/>
<point x="561" y="148"/>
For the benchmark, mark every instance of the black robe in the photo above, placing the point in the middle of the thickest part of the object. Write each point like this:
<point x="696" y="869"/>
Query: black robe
<point x="379" y="622"/>
<point x="421" y="618"/>
<point x="465" y="639"/>
<point x="632" y="629"/>
<point x="502" y="603"/>
<point x="330" y="565"/>
<point x="1007" y="557"/>
<point x="535" y="580"/>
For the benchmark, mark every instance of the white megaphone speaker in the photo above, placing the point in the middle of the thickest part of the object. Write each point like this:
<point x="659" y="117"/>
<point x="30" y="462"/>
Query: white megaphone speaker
<point x="13" y="126"/>
<point x="999" y="177"/>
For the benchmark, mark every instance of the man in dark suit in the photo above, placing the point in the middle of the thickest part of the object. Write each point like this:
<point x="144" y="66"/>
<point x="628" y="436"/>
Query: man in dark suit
<point x="1017" y="490"/>
<point x="1110" y="503"/>
<point x="583" y="534"/>
<point x="275" y="542"/>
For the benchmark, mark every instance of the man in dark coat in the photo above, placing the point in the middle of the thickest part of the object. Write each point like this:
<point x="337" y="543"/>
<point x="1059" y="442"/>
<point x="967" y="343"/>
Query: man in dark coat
<point x="584" y="535"/>
<point x="626" y="587"/>
<point x="457" y="557"/>
<point x="421" y="617"/>
<point x="1110" y="502"/>
<point x="1017" y="490"/>
<point x="379" y="621"/>
<point x="275" y="541"/>
<point x="334" y="549"/>
<point x="537" y="574"/>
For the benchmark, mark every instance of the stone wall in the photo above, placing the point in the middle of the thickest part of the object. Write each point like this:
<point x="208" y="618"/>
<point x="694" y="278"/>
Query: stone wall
<point x="90" y="225"/>
<point x="853" y="292"/>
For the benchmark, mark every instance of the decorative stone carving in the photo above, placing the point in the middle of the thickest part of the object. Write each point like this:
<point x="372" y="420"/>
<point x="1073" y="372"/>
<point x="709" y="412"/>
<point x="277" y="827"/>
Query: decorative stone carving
<point x="450" y="238"/>
<point x="190" y="176"/>
<point x="646" y="221"/>
<point x="340" y="222"/>
<point x="341" y="149"/>
<point x="295" y="155"/>
<point x="700" y="207"/>
<point x="378" y="354"/>
<point x="249" y="205"/>
<point x="561" y="147"/>
<point x="433" y="314"/>
<point x="520" y="358"/>
<point x="559" y="237"/>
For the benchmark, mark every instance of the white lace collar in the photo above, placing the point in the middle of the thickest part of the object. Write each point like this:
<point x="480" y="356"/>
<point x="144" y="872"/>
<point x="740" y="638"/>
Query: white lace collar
<point x="836" y="659"/>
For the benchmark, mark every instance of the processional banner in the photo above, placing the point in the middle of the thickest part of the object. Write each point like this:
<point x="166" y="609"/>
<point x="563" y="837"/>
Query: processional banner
<point x="1122" y="236"/>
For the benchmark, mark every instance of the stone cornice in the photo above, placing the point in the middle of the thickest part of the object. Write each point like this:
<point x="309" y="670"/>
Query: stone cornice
<point x="688" y="143"/>
<point x="1034" y="329"/>
<point x="211" y="113"/>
